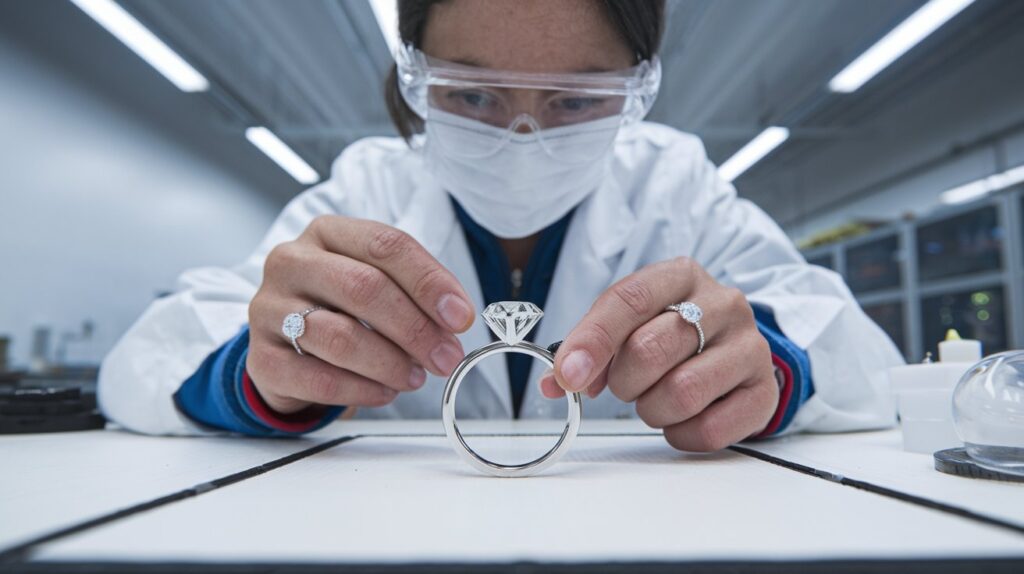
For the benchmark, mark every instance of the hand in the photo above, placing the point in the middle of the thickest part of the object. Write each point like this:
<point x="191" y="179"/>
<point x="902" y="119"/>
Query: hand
<point x="629" y="343"/>
<point x="358" y="270"/>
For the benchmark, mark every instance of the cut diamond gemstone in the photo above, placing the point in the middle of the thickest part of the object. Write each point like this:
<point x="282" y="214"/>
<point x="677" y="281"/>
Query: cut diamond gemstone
<point x="294" y="326"/>
<point x="690" y="312"/>
<point x="511" y="321"/>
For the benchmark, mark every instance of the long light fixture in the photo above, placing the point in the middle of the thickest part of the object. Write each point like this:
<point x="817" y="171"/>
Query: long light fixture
<point x="282" y="155"/>
<point x="386" y="13"/>
<point x="753" y="152"/>
<point x="133" y="34"/>
<point x="899" y="41"/>
<point x="982" y="187"/>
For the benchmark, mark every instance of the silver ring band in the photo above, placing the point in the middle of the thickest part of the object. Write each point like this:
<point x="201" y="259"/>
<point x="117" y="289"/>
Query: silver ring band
<point x="294" y="326"/>
<point x="692" y="314"/>
<point x="470" y="455"/>
<point x="451" y="428"/>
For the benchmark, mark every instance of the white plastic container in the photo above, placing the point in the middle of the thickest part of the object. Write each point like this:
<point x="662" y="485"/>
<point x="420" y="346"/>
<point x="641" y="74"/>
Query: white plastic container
<point x="924" y="399"/>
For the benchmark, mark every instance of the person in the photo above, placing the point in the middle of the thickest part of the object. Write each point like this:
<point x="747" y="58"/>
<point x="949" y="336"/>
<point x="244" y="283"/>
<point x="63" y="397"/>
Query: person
<point x="525" y="172"/>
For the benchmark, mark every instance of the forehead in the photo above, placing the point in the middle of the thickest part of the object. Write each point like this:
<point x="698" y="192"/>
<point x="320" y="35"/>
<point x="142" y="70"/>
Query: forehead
<point x="553" y="36"/>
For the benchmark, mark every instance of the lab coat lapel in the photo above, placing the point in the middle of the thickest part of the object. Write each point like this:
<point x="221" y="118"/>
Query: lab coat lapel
<point x="430" y="218"/>
<point x="587" y="265"/>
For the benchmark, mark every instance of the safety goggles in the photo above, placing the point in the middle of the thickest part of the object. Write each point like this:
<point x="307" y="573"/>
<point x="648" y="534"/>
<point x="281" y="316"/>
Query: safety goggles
<point x="525" y="102"/>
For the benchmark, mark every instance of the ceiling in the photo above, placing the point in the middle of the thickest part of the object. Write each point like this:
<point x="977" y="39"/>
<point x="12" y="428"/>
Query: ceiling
<point x="312" y="70"/>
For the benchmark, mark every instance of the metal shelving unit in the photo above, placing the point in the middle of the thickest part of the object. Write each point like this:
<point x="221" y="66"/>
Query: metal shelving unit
<point x="960" y="267"/>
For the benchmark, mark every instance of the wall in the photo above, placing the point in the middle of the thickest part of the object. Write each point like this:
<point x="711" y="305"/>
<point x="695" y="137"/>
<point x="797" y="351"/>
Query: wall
<point x="99" y="211"/>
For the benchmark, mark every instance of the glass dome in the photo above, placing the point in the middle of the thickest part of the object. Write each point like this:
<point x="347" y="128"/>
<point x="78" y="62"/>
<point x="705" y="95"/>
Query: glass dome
<point x="988" y="410"/>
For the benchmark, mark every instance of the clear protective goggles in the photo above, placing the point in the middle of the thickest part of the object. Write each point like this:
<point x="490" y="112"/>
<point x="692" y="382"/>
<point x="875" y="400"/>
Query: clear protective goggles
<point x="523" y="105"/>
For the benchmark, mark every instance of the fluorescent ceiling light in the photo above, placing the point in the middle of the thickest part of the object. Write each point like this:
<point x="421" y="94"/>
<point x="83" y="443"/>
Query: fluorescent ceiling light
<point x="386" y="13"/>
<point x="282" y="155"/>
<point x="133" y="34"/>
<point x="753" y="152"/>
<point x="901" y="39"/>
<point x="983" y="186"/>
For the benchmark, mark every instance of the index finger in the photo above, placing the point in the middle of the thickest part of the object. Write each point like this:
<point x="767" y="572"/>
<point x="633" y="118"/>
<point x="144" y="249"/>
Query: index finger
<point x="619" y="311"/>
<point x="432" y="287"/>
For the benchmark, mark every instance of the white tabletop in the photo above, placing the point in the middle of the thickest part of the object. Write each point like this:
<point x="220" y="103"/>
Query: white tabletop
<point x="50" y="481"/>
<point x="878" y="458"/>
<point x="399" y="494"/>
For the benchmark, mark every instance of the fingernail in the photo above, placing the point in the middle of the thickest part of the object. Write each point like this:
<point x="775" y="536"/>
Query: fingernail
<point x="455" y="312"/>
<point x="576" y="369"/>
<point x="446" y="356"/>
<point x="417" y="377"/>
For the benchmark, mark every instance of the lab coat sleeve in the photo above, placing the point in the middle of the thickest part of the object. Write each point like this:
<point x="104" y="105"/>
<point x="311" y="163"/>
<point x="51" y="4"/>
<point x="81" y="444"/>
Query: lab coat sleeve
<point x="173" y="337"/>
<point x="849" y="354"/>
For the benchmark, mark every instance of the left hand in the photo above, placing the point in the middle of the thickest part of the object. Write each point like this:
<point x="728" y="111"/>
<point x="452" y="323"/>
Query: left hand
<point x="629" y="343"/>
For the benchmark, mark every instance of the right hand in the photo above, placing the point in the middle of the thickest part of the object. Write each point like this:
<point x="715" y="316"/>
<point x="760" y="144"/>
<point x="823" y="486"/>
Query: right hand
<point x="357" y="270"/>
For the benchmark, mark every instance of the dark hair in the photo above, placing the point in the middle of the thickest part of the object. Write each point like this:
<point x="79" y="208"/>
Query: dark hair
<point x="641" y="23"/>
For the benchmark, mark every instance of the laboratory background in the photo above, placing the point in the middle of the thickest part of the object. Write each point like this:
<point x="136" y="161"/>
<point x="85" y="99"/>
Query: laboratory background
<point x="125" y="163"/>
<point x="143" y="138"/>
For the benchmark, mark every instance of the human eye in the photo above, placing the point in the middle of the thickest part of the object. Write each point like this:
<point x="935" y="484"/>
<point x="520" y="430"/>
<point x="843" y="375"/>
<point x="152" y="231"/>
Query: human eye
<point x="578" y="104"/>
<point x="471" y="99"/>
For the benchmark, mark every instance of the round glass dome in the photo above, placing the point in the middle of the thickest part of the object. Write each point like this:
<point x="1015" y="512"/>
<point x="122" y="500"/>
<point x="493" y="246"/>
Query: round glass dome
<point x="988" y="411"/>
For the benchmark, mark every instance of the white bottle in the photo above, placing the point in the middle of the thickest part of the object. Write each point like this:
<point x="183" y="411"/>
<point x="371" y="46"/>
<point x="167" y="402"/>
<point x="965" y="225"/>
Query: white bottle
<point x="924" y="395"/>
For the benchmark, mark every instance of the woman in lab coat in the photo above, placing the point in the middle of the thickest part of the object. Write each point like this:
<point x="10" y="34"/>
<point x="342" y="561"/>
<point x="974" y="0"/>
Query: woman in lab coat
<point x="527" y="173"/>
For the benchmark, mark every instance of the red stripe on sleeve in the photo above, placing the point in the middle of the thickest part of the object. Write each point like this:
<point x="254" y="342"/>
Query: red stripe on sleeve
<point x="785" y="394"/>
<point x="301" y="421"/>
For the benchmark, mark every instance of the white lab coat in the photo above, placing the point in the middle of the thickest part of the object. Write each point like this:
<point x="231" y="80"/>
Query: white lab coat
<point x="663" y="199"/>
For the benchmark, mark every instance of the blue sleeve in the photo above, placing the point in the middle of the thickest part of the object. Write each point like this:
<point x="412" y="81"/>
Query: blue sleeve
<point x="794" y="357"/>
<point x="213" y="396"/>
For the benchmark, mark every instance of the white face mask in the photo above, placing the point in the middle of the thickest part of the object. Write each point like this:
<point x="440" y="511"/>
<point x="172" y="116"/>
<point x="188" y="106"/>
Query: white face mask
<point x="519" y="189"/>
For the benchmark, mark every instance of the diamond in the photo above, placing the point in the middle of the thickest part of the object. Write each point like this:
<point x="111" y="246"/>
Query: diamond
<point x="690" y="312"/>
<point x="511" y="321"/>
<point x="294" y="326"/>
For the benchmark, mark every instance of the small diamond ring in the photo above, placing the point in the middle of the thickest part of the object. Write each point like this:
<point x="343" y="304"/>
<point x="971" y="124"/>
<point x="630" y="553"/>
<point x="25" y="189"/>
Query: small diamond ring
<point x="294" y="326"/>
<point x="692" y="314"/>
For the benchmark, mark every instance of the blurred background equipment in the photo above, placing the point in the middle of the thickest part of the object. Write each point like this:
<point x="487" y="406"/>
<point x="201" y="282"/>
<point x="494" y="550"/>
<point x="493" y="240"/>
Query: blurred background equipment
<point x="151" y="136"/>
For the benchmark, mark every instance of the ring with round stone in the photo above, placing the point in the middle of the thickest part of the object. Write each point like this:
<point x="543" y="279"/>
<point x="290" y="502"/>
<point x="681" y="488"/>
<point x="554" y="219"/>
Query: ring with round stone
<point x="294" y="326"/>
<point x="511" y="321"/>
<point x="692" y="314"/>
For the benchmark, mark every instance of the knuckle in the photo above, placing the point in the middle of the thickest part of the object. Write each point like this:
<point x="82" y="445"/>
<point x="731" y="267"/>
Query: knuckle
<point x="322" y="385"/>
<point x="648" y="349"/>
<point x="379" y="397"/>
<point x="709" y="436"/>
<point x="635" y="294"/>
<point x="738" y="299"/>
<point x="387" y="242"/>
<point x="685" y="264"/>
<point x="341" y="339"/>
<point x="363" y="284"/>
<point x="685" y="394"/>
<point x="320" y="224"/>
<point x="428" y="283"/>
<point x="279" y="258"/>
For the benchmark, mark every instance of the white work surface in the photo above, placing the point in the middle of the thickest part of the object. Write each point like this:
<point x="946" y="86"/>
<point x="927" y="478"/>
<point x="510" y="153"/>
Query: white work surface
<point x="879" y="458"/>
<point x="49" y="481"/>
<point x="399" y="494"/>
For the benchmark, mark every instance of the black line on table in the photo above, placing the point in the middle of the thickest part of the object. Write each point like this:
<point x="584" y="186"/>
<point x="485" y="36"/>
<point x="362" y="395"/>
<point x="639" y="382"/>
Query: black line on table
<point x="20" y="551"/>
<point x="1008" y="565"/>
<point x="881" y="490"/>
